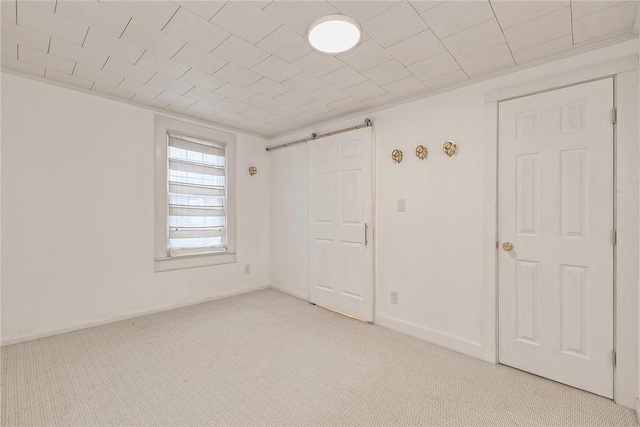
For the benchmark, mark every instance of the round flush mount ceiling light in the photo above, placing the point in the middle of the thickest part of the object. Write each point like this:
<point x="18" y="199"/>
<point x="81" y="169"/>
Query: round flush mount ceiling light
<point x="334" y="34"/>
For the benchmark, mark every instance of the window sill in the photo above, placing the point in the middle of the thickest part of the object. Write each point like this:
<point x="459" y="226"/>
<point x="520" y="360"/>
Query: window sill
<point x="194" y="261"/>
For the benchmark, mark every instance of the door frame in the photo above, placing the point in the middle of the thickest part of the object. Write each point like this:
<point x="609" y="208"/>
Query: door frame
<point x="624" y="72"/>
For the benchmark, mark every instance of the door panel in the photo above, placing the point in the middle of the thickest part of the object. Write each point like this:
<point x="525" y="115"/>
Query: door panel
<point x="340" y="212"/>
<point x="556" y="208"/>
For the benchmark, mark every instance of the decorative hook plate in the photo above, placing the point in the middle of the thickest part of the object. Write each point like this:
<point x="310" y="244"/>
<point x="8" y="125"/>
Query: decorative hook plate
<point x="396" y="155"/>
<point x="253" y="170"/>
<point x="422" y="152"/>
<point x="449" y="148"/>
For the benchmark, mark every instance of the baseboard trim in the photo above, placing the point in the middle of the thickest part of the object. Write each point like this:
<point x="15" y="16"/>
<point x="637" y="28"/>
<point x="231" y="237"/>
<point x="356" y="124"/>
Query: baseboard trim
<point x="637" y="407"/>
<point x="298" y="295"/>
<point x="443" y="339"/>
<point x="43" y="334"/>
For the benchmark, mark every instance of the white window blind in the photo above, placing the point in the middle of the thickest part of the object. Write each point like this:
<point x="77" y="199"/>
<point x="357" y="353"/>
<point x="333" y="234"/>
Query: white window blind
<point x="197" y="191"/>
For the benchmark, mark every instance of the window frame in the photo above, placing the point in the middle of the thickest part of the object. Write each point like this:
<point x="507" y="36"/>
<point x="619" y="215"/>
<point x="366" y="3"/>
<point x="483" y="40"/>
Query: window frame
<point x="162" y="260"/>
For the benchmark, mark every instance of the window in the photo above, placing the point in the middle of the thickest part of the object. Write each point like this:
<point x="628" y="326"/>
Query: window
<point x="195" y="216"/>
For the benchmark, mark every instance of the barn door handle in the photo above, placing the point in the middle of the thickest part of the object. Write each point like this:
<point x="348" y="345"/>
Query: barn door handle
<point x="366" y="227"/>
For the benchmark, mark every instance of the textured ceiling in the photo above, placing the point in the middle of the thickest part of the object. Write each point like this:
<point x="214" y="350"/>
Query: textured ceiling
<point x="247" y="64"/>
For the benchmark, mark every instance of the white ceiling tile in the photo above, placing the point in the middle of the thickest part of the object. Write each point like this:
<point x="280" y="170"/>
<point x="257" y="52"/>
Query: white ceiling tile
<point x="364" y="91"/>
<point x="268" y="87"/>
<point x="89" y="73"/>
<point x="40" y="59"/>
<point x="343" y="78"/>
<point x="167" y="97"/>
<point x="447" y="80"/>
<point x="122" y="68"/>
<point x="73" y="52"/>
<point x="366" y="55"/>
<point x="317" y="107"/>
<point x="388" y="72"/>
<point x="487" y="61"/>
<point x="417" y="48"/>
<point x="202" y="107"/>
<point x="580" y="8"/>
<point x="328" y="94"/>
<point x="201" y="80"/>
<point x="24" y="36"/>
<point x="261" y="101"/>
<point x="475" y="39"/>
<point x="108" y="45"/>
<point x="348" y="104"/>
<point x="197" y="58"/>
<point x="162" y="65"/>
<point x="67" y="79"/>
<point x="276" y="69"/>
<point x="149" y="102"/>
<point x="258" y="113"/>
<point x="406" y="87"/>
<point x="424" y="5"/>
<point x="23" y="67"/>
<point x="285" y="44"/>
<point x="543" y="50"/>
<point x="246" y="21"/>
<point x="169" y="84"/>
<point x="205" y="96"/>
<point x="190" y="27"/>
<point x="180" y="110"/>
<point x="363" y="10"/>
<point x="238" y="75"/>
<point x="112" y="91"/>
<point x="48" y="5"/>
<point x="229" y="117"/>
<point x="452" y="17"/>
<point x="381" y="100"/>
<point x="548" y="27"/>
<point x="318" y="64"/>
<point x="9" y="50"/>
<point x="54" y="24"/>
<point x="294" y="98"/>
<point x="305" y="83"/>
<point x="394" y="25"/>
<point x="140" y="88"/>
<point x="510" y="13"/>
<point x="233" y="105"/>
<point x="299" y="15"/>
<point x="144" y="35"/>
<point x="286" y="110"/>
<point x="235" y="92"/>
<point x="204" y="9"/>
<point x="154" y="13"/>
<point x="8" y="11"/>
<point x="94" y="14"/>
<point x="611" y="20"/>
<point x="240" y="52"/>
<point x="434" y="67"/>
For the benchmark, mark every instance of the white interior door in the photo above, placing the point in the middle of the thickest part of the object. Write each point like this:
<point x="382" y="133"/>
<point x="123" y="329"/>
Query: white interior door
<point x="556" y="208"/>
<point x="340" y="218"/>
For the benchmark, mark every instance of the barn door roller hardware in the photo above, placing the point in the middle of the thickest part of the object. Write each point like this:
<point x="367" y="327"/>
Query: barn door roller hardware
<point x="367" y="123"/>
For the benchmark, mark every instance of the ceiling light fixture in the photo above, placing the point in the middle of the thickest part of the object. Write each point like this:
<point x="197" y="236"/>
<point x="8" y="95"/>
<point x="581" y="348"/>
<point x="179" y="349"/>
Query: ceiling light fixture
<point x="334" y="34"/>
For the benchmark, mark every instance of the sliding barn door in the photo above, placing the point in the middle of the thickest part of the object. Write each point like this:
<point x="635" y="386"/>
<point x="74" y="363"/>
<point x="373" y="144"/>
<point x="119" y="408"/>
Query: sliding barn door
<point x="340" y="218"/>
<point x="556" y="231"/>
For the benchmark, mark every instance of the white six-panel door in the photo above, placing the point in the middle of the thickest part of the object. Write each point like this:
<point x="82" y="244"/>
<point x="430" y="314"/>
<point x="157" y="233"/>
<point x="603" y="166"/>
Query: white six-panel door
<point x="556" y="209"/>
<point x="340" y="219"/>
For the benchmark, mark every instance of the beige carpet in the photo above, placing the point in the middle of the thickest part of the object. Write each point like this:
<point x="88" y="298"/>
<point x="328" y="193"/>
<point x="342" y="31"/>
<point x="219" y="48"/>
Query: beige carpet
<point x="271" y="359"/>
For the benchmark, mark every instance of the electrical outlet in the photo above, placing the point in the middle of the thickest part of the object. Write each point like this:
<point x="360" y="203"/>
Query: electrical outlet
<point x="394" y="297"/>
<point x="247" y="268"/>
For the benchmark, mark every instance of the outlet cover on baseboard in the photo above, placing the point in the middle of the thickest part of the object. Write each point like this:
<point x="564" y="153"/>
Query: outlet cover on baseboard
<point x="394" y="297"/>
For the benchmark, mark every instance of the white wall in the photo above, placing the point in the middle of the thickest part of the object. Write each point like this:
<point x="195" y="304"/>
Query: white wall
<point x="78" y="213"/>
<point x="433" y="253"/>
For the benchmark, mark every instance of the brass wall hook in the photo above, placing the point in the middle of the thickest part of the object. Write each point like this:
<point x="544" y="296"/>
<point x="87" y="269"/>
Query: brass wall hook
<point x="397" y="155"/>
<point x="253" y="170"/>
<point x="422" y="152"/>
<point x="449" y="148"/>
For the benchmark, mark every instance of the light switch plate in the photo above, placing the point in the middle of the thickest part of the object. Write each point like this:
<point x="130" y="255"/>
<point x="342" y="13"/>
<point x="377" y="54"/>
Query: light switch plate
<point x="402" y="205"/>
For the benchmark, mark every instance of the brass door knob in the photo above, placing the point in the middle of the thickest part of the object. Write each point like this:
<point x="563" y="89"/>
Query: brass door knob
<point x="507" y="246"/>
